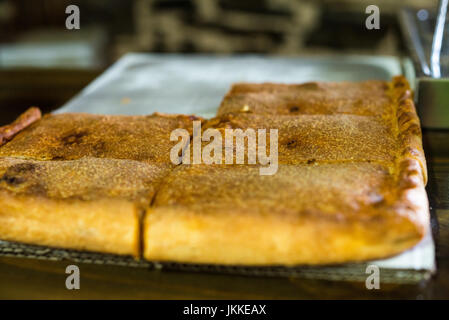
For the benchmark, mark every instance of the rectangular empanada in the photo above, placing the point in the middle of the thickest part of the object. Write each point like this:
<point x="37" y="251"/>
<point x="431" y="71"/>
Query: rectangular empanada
<point x="83" y="181"/>
<point x="368" y="98"/>
<point x="72" y="136"/>
<point x="349" y="187"/>
<point x="322" y="213"/>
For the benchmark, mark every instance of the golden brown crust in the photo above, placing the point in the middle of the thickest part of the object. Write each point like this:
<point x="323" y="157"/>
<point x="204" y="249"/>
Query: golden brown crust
<point x="321" y="213"/>
<point x="408" y="124"/>
<point x="83" y="179"/>
<point x="75" y="135"/>
<point x="90" y="204"/>
<point x="392" y="102"/>
<point x="24" y="120"/>
<point x="350" y="187"/>
<point x="308" y="138"/>
<point x="74" y="168"/>
<point x="350" y="183"/>
<point x="362" y="98"/>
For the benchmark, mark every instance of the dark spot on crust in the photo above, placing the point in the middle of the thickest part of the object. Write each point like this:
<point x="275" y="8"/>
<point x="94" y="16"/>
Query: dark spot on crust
<point x="57" y="158"/>
<point x="291" y="144"/>
<point x="192" y="117"/>
<point x="14" y="174"/>
<point x="73" y="138"/>
<point x="294" y="109"/>
<point x="406" y="117"/>
<point x="21" y="168"/>
<point x="100" y="148"/>
<point x="379" y="204"/>
<point x="399" y="84"/>
<point x="415" y="130"/>
<point x="12" y="180"/>
<point x="311" y="161"/>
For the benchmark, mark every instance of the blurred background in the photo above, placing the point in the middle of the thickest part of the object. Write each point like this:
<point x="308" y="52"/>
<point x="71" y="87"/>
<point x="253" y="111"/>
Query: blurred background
<point x="42" y="63"/>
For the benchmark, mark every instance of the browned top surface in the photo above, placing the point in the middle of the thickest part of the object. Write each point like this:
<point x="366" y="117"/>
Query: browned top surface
<point x="321" y="137"/>
<point x="86" y="178"/>
<point x="362" y="98"/>
<point x="333" y="191"/>
<point x="358" y="198"/>
<point x="73" y="136"/>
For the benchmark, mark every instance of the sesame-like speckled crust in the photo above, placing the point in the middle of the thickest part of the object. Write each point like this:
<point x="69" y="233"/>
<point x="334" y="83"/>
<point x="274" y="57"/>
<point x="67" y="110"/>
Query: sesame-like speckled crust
<point x="360" y="98"/>
<point x="75" y="135"/>
<point x="89" y="203"/>
<point x="320" y="137"/>
<point x="321" y="213"/>
<point x="84" y="179"/>
<point x="349" y="187"/>
<point x="391" y="103"/>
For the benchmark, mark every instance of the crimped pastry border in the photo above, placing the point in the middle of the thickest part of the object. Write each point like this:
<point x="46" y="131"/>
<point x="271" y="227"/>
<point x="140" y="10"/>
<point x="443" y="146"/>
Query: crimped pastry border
<point x="408" y="124"/>
<point x="411" y="198"/>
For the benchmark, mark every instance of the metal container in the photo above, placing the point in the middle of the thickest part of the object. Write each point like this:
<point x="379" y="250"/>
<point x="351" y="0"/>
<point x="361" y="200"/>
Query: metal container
<point x="427" y="38"/>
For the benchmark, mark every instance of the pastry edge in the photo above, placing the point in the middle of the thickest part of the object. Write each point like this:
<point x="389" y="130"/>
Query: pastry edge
<point x="106" y="225"/>
<point x="410" y="207"/>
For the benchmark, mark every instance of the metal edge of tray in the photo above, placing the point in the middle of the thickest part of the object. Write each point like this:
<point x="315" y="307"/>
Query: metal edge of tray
<point x="347" y="272"/>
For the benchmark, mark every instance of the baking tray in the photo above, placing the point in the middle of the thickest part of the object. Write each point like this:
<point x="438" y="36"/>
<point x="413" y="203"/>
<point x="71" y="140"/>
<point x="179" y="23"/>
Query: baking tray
<point x="347" y="272"/>
<point x="147" y="83"/>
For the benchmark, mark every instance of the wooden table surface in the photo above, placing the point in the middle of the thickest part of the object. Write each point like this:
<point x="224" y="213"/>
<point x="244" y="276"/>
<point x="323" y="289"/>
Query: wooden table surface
<point x="40" y="279"/>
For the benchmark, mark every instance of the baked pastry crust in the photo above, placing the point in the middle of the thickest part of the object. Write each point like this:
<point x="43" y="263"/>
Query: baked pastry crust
<point x="352" y="189"/>
<point x="323" y="213"/>
<point x="72" y="136"/>
<point x="87" y="204"/>
<point x="394" y="117"/>
<point x="368" y="98"/>
<point x="350" y="183"/>
<point x="308" y="138"/>
<point x="82" y="181"/>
